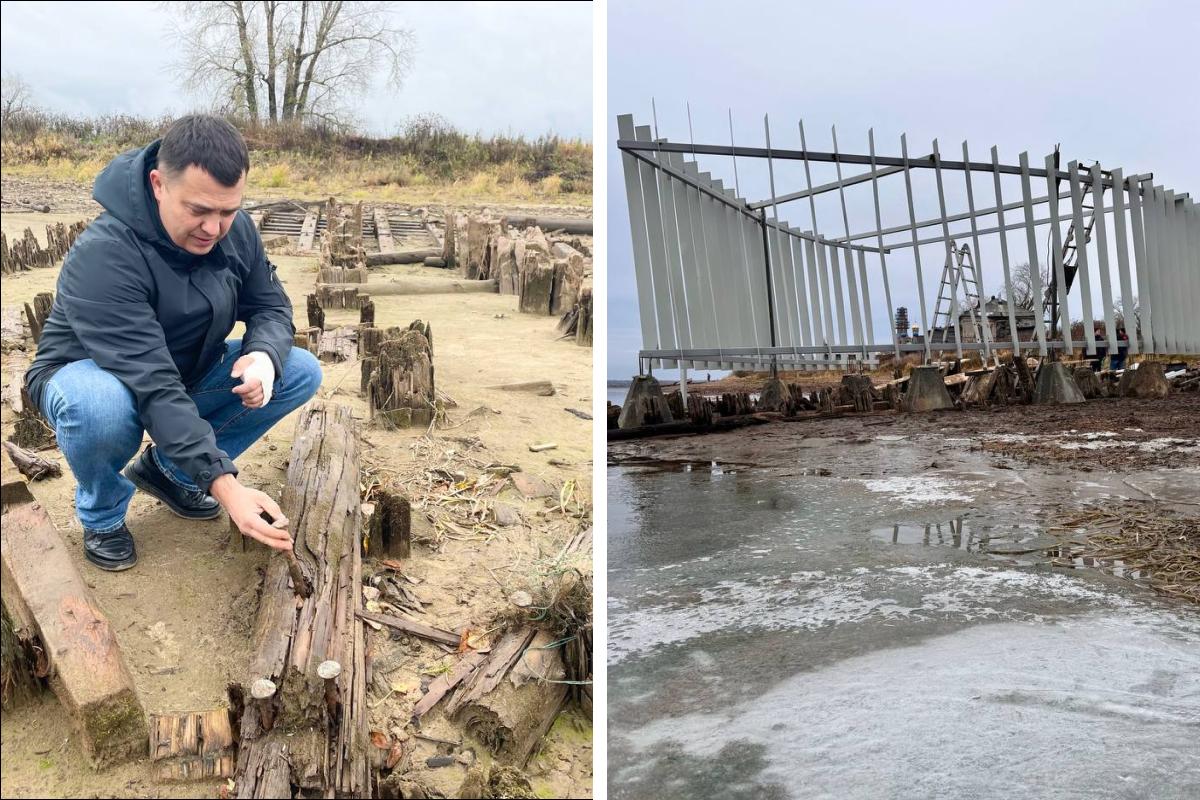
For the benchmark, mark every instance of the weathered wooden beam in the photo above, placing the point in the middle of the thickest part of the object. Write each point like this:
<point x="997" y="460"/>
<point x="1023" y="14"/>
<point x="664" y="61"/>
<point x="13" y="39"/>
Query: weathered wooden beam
<point x="383" y="259"/>
<point x="410" y="626"/>
<point x="87" y="671"/>
<point x="383" y="230"/>
<point x="307" y="735"/>
<point x="564" y="224"/>
<point x="308" y="231"/>
<point x="417" y="285"/>
<point x="192" y="746"/>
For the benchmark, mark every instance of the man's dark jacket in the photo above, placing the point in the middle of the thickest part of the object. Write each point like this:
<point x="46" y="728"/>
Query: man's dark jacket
<point x="156" y="316"/>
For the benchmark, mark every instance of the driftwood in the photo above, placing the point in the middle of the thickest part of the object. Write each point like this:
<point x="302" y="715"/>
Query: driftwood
<point x="541" y="388"/>
<point x="31" y="465"/>
<point x="303" y="733"/>
<point x="48" y="601"/>
<point x="192" y="746"/>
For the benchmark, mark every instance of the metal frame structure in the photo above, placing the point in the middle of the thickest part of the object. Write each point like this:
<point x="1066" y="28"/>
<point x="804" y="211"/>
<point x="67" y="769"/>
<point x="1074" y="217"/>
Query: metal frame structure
<point x="725" y="282"/>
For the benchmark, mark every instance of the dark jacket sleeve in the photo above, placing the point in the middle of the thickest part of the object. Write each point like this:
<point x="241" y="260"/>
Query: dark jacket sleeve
<point x="107" y="297"/>
<point x="265" y="308"/>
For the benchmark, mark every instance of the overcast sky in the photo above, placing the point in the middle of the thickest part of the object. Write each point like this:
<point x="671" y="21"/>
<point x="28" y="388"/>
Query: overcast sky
<point x="489" y="67"/>
<point x="1110" y="81"/>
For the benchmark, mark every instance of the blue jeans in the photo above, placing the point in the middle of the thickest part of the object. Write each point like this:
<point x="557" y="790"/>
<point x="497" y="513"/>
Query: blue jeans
<point x="95" y="418"/>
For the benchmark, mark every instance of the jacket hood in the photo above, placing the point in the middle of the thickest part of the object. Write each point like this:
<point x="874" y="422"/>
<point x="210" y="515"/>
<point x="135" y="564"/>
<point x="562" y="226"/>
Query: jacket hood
<point x="123" y="188"/>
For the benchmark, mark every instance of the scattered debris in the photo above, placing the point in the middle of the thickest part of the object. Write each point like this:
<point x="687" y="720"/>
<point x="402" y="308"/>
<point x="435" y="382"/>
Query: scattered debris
<point x="31" y="465"/>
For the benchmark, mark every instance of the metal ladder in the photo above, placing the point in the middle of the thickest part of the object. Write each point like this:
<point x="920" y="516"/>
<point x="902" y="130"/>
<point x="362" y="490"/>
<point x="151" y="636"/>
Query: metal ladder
<point x="1070" y="258"/>
<point x="958" y="271"/>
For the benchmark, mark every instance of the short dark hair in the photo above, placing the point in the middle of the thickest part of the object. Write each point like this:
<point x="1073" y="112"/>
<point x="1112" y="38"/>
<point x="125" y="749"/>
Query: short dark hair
<point x="209" y="142"/>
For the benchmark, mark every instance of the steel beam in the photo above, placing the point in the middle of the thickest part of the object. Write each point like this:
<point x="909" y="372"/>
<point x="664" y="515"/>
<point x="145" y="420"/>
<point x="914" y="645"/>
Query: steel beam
<point x="925" y="162"/>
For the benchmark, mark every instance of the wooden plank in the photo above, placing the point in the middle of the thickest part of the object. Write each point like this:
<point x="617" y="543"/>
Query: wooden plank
<point x="88" y="672"/>
<point x="437" y="635"/>
<point x="447" y="681"/>
<point x="192" y="746"/>
<point x="308" y="231"/>
<point x="340" y="344"/>
<point x="383" y="230"/>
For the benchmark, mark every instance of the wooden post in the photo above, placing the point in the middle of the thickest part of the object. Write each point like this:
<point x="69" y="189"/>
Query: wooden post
<point x="401" y="392"/>
<point x="390" y="528"/>
<point x="368" y="367"/>
<point x="297" y="741"/>
<point x="42" y="587"/>
<point x="369" y="339"/>
<point x="448" y="252"/>
<point x="30" y="429"/>
<point x="316" y="315"/>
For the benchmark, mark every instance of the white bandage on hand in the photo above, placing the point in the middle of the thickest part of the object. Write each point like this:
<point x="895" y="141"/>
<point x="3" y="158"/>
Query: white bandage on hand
<point x="264" y="370"/>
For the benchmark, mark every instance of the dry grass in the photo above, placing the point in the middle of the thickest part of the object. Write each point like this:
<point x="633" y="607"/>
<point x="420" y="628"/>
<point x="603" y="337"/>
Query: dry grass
<point x="427" y="161"/>
<point x="1142" y="537"/>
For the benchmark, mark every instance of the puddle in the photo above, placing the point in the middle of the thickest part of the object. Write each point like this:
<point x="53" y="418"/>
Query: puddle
<point x="772" y="634"/>
<point x="960" y="534"/>
<point x="920" y="489"/>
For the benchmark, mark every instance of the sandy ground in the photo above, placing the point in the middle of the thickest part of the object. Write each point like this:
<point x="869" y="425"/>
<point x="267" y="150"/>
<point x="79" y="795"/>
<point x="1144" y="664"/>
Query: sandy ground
<point x="183" y="615"/>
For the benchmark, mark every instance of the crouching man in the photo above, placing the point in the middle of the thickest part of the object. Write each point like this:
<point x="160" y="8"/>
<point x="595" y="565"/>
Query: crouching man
<point x="136" y="340"/>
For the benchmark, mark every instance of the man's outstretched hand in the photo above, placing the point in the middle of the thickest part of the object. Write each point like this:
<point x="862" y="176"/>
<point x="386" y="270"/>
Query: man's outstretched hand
<point x="245" y="506"/>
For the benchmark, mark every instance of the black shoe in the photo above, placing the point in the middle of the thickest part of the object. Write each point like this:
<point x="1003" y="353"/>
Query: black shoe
<point x="113" y="551"/>
<point x="187" y="503"/>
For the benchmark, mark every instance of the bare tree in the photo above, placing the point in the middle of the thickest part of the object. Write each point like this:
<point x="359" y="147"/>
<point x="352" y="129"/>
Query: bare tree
<point x="15" y="95"/>
<point x="1023" y="294"/>
<point x="305" y="58"/>
<point x="1125" y="310"/>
